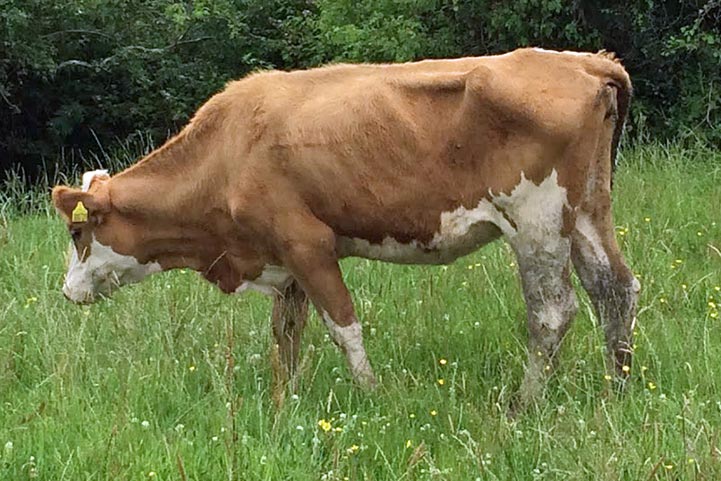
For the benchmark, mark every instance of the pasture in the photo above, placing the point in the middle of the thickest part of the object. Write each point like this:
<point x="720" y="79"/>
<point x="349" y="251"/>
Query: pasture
<point x="170" y="379"/>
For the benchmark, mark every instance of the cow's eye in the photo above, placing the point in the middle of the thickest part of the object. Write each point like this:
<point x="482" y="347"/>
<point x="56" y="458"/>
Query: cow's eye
<point x="75" y="233"/>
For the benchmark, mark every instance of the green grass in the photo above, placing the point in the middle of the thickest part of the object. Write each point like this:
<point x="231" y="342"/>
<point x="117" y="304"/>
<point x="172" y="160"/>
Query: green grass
<point x="137" y="386"/>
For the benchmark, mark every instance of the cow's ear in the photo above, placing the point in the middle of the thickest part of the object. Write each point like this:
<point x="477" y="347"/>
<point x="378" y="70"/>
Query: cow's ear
<point x="77" y="206"/>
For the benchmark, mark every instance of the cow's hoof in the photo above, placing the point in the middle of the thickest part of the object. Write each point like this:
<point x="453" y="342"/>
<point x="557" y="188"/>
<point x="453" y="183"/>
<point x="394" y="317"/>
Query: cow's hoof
<point x="367" y="381"/>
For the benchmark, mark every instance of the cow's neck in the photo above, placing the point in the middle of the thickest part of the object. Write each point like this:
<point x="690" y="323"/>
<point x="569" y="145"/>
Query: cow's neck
<point x="179" y="177"/>
<point x="173" y="195"/>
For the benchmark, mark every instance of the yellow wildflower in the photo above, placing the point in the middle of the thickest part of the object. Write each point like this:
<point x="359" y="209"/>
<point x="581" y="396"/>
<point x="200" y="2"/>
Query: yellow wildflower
<point x="409" y="443"/>
<point x="442" y="362"/>
<point x="651" y="386"/>
<point x="441" y="382"/>
<point x="434" y="412"/>
<point x="324" y="425"/>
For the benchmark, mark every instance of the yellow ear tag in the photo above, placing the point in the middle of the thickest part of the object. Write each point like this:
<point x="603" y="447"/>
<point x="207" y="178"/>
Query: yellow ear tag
<point x="80" y="213"/>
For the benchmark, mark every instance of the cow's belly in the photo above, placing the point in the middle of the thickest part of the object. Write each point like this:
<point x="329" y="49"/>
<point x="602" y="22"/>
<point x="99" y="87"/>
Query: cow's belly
<point x="444" y="248"/>
<point x="272" y="280"/>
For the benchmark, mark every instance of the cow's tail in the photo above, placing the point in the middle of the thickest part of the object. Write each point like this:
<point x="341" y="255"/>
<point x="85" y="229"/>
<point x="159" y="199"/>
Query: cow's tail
<point x="617" y="77"/>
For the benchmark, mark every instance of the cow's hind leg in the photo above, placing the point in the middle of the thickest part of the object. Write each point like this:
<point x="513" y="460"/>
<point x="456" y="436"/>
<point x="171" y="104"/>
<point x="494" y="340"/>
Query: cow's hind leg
<point x="610" y="284"/>
<point x="290" y="311"/>
<point x="544" y="265"/>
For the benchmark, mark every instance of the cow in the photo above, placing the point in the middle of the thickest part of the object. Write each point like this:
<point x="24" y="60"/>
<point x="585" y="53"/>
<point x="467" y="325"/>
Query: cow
<point x="282" y="174"/>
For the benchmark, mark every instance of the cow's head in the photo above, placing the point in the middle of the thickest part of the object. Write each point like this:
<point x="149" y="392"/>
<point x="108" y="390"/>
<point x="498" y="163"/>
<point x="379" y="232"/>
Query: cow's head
<point x="101" y="257"/>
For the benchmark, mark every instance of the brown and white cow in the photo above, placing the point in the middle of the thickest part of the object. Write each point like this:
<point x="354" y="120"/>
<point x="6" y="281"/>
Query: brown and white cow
<point x="283" y="173"/>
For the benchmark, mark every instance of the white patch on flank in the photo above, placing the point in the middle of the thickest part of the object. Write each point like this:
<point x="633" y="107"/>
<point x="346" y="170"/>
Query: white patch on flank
<point x="459" y="227"/>
<point x="102" y="271"/>
<point x="350" y="339"/>
<point x="566" y="52"/>
<point x="89" y="176"/>
<point x="271" y="280"/>
<point x="461" y="232"/>
<point x="636" y="285"/>
<point x="536" y="212"/>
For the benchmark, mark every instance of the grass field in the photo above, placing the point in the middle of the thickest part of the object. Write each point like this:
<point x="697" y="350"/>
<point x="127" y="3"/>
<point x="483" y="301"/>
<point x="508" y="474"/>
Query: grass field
<point x="137" y="387"/>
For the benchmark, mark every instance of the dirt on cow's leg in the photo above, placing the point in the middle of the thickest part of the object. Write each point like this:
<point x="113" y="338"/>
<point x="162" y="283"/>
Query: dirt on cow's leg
<point x="610" y="284"/>
<point x="290" y="311"/>
<point x="550" y="304"/>
<point x="313" y="262"/>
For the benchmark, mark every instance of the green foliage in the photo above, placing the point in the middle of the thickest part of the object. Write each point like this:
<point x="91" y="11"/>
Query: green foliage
<point x="499" y="26"/>
<point x="378" y="30"/>
<point x="77" y="74"/>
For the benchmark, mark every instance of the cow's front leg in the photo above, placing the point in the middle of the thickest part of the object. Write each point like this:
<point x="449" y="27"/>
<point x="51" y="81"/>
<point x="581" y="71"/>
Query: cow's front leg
<point x="290" y="311"/>
<point x="551" y="305"/>
<point x="312" y="260"/>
